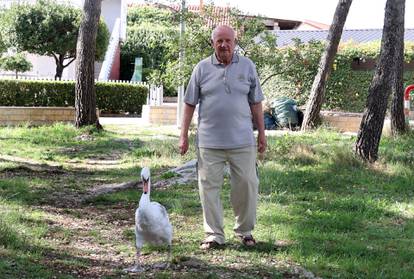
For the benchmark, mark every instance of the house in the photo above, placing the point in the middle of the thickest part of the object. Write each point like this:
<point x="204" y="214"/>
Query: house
<point x="284" y="37"/>
<point x="114" y="14"/>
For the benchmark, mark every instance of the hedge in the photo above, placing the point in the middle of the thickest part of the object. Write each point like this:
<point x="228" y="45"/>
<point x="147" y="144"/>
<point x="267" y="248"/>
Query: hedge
<point x="346" y="90"/>
<point x="110" y="97"/>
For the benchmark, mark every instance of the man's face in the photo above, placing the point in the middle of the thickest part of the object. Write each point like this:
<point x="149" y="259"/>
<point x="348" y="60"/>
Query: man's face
<point x="224" y="44"/>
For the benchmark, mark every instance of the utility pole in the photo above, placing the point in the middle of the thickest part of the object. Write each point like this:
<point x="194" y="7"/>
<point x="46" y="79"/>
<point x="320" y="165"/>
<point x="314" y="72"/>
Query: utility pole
<point x="180" y="99"/>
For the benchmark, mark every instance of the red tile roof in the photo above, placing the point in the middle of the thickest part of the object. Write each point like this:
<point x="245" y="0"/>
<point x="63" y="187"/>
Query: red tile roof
<point x="316" y="25"/>
<point x="222" y="16"/>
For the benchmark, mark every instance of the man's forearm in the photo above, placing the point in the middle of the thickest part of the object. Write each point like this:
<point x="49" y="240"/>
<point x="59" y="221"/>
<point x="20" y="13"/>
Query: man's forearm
<point x="187" y="116"/>
<point x="257" y="113"/>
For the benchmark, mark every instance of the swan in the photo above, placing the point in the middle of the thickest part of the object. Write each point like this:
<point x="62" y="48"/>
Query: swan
<point x="152" y="224"/>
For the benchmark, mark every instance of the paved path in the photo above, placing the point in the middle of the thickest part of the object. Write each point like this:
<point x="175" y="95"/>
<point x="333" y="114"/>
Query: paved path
<point x="122" y="121"/>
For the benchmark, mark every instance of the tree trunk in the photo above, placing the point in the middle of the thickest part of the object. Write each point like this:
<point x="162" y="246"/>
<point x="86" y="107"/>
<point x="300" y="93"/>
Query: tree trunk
<point x="370" y="130"/>
<point x="314" y="104"/>
<point x="59" y="66"/>
<point x="85" y="95"/>
<point x="398" y="125"/>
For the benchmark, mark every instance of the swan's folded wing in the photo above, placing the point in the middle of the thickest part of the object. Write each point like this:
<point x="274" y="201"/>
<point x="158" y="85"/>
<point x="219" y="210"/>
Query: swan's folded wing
<point x="162" y="210"/>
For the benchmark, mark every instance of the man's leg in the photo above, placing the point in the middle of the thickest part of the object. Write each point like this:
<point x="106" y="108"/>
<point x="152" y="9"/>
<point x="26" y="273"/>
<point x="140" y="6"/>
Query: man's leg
<point x="244" y="188"/>
<point x="210" y="180"/>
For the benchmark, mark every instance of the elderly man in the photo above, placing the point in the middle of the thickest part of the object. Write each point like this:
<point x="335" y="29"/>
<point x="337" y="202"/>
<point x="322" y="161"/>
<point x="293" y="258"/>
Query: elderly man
<point x="227" y="90"/>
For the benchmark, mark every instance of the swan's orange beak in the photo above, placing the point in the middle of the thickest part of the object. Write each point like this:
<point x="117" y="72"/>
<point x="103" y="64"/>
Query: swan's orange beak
<point x="145" y="185"/>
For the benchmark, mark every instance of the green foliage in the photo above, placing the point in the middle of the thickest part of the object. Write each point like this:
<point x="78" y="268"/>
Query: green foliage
<point x="153" y="44"/>
<point x="152" y="35"/>
<point x="102" y="40"/>
<point x="295" y="72"/>
<point x="48" y="28"/>
<point x="115" y="97"/>
<point x="151" y="15"/>
<point x="45" y="28"/>
<point x="16" y="63"/>
<point x="3" y="47"/>
<point x="287" y="71"/>
<point x="110" y="97"/>
<point x="3" y="43"/>
<point x="147" y="25"/>
<point x="346" y="90"/>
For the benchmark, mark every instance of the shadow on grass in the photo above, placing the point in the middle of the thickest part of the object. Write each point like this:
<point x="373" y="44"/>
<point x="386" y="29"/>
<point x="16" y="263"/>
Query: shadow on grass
<point x="30" y="260"/>
<point x="342" y="217"/>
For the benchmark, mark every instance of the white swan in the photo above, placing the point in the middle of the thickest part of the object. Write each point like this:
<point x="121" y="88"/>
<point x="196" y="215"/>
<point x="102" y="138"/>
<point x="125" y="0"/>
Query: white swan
<point x="152" y="224"/>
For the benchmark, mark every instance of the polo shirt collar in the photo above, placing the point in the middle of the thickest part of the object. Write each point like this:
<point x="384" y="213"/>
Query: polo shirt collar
<point x="234" y="59"/>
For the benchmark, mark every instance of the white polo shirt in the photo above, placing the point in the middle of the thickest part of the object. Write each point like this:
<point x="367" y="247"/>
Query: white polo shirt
<point x="224" y="95"/>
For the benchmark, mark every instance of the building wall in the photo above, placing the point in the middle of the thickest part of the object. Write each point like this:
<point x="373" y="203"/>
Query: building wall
<point x="111" y="10"/>
<point x="116" y="66"/>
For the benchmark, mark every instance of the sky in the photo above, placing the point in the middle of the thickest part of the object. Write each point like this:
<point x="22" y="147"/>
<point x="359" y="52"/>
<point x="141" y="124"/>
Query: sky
<point x="362" y="14"/>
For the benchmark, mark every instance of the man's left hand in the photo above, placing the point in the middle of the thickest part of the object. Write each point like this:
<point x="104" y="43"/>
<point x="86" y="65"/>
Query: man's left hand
<point x="261" y="143"/>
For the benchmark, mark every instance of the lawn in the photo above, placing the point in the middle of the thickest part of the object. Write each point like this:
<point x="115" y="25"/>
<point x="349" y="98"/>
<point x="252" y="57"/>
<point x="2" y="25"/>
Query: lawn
<point x="322" y="212"/>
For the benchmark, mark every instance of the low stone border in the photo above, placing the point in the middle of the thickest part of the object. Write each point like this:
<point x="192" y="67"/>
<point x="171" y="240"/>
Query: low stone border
<point x="166" y="114"/>
<point x="342" y="121"/>
<point x="36" y="115"/>
<point x="162" y="115"/>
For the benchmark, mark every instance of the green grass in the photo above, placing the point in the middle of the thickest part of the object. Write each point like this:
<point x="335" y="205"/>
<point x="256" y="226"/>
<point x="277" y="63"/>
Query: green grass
<point x="320" y="208"/>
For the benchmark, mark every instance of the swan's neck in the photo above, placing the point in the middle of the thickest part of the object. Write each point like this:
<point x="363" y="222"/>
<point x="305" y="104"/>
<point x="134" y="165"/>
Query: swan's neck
<point x="145" y="200"/>
<point x="146" y="190"/>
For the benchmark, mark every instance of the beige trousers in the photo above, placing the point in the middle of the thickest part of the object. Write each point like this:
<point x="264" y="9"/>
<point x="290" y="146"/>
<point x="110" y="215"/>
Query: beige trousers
<point x="244" y="189"/>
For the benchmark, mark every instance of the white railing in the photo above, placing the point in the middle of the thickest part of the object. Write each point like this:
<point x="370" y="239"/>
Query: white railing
<point x="111" y="51"/>
<point x="12" y="77"/>
<point x="155" y="96"/>
<point x="8" y="3"/>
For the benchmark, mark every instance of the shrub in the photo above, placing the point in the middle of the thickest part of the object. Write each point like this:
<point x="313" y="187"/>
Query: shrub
<point x="346" y="89"/>
<point x="110" y="97"/>
<point x="153" y="44"/>
<point x="16" y="63"/>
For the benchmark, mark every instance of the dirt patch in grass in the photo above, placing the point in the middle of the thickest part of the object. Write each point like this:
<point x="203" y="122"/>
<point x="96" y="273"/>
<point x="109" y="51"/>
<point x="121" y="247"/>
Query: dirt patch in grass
<point x="87" y="240"/>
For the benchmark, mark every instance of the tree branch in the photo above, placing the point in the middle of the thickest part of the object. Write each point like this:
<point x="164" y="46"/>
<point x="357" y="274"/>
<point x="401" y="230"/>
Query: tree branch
<point x="269" y="77"/>
<point x="56" y="58"/>
<point x="74" y="58"/>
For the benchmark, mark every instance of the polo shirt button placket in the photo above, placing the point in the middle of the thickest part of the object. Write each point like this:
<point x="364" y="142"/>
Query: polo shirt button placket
<point x="226" y="85"/>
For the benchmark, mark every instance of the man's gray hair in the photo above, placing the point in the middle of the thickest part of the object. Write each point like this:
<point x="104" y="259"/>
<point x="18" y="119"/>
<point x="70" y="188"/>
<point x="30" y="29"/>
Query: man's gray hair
<point x="215" y="30"/>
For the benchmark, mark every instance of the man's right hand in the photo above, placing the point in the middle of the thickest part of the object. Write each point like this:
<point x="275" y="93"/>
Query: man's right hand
<point x="183" y="144"/>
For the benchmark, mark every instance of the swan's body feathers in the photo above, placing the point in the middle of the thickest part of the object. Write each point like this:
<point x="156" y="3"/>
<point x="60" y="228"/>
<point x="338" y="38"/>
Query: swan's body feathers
<point x="152" y="224"/>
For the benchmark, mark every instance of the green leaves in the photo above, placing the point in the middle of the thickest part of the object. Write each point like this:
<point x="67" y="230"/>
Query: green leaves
<point x="110" y="97"/>
<point x="47" y="28"/>
<point x="16" y="63"/>
<point x="347" y="88"/>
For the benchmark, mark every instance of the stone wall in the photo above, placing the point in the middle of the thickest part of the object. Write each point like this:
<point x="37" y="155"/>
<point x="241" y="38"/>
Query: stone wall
<point x="36" y="115"/>
<point x="342" y="121"/>
<point x="161" y="115"/>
